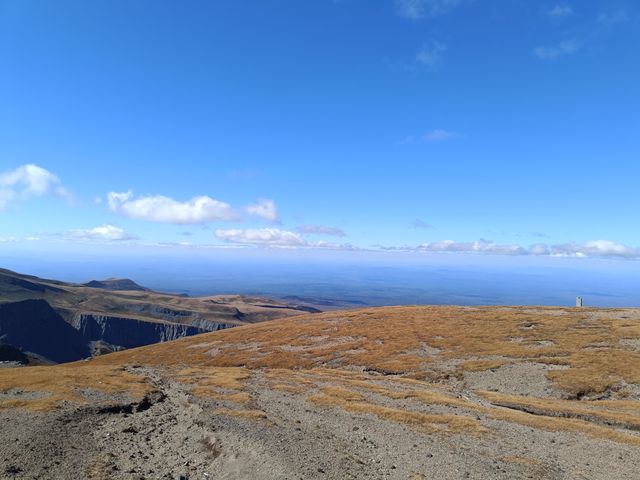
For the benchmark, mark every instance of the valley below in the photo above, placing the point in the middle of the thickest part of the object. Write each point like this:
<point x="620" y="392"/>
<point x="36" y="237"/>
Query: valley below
<point x="393" y="392"/>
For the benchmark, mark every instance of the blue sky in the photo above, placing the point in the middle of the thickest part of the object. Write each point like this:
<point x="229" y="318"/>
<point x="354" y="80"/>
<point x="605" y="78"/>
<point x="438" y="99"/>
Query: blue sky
<point x="458" y="126"/>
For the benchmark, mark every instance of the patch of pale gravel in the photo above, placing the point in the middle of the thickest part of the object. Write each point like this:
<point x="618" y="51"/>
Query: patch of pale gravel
<point x="319" y="342"/>
<point x="19" y="394"/>
<point x="205" y="345"/>
<point x="632" y="344"/>
<point x="541" y="344"/>
<point x="426" y="351"/>
<point x="11" y="364"/>
<point x="524" y="378"/>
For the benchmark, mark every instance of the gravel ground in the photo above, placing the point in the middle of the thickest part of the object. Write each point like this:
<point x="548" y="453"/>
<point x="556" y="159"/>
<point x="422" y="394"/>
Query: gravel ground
<point x="173" y="435"/>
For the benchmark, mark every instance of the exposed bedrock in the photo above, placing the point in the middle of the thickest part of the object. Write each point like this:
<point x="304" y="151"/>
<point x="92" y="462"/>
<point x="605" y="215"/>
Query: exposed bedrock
<point x="34" y="327"/>
<point x="128" y="332"/>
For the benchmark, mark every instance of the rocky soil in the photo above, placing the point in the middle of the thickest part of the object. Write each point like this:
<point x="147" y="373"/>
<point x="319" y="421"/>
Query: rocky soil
<point x="172" y="434"/>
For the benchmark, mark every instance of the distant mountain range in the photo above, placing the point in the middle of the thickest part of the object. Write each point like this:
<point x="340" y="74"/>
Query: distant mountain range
<point x="49" y="321"/>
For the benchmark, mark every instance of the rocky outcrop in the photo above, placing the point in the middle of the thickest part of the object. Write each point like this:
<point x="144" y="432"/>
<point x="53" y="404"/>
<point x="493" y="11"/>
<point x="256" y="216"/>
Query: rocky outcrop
<point x="34" y="327"/>
<point x="210" y="325"/>
<point x="128" y="332"/>
<point x="9" y="353"/>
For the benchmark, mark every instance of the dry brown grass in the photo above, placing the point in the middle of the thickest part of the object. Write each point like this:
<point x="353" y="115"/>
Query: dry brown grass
<point x="548" y="407"/>
<point x="480" y="365"/>
<point x="520" y="460"/>
<point x="246" y="414"/>
<point x="215" y="383"/>
<point x="387" y="339"/>
<point x="423" y="421"/>
<point x="354" y="356"/>
<point x="239" y="397"/>
<point x="64" y="383"/>
<point x="555" y="424"/>
<point x="603" y="419"/>
<point x="224" y="378"/>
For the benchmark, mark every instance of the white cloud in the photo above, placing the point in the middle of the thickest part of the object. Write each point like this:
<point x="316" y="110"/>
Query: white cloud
<point x="29" y="181"/>
<point x="417" y="9"/>
<point x="562" y="49"/>
<point x="158" y="208"/>
<point x="321" y="230"/>
<point x="606" y="21"/>
<point x="265" y="209"/>
<point x="103" y="232"/>
<point x="431" y="54"/>
<point x="591" y="249"/>
<point x="560" y="11"/>
<point x="418" y="223"/>
<point x="595" y="248"/>
<point x="277" y="238"/>
<point x="262" y="236"/>
<point x="588" y="36"/>
<point x="440" y="135"/>
<point x="432" y="136"/>
<point x="480" y="246"/>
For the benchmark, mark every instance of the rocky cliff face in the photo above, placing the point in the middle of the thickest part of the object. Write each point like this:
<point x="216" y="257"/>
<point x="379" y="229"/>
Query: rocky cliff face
<point x="34" y="327"/>
<point x="127" y="332"/>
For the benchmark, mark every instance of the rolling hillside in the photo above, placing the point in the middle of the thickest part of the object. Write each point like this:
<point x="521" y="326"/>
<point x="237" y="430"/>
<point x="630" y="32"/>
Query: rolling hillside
<point x="398" y="392"/>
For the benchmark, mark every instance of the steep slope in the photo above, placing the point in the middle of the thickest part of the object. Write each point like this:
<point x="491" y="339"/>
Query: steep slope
<point x="401" y="392"/>
<point x="55" y="341"/>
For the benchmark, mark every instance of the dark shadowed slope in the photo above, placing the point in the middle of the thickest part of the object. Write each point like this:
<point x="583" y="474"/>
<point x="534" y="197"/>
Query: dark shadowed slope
<point x="116" y="284"/>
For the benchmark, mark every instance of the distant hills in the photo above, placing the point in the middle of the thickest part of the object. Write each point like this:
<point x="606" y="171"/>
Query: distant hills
<point x="116" y="284"/>
<point x="51" y="321"/>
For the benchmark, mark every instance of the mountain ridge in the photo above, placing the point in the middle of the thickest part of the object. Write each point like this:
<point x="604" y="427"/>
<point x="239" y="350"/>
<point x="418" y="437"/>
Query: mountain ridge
<point x="115" y="314"/>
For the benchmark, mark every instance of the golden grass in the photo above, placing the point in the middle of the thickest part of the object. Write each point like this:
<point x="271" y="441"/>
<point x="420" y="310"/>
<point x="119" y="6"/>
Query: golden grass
<point x="555" y="424"/>
<point x="342" y="394"/>
<point x="551" y="418"/>
<point x="215" y="383"/>
<point x="422" y="421"/>
<point x="520" y="460"/>
<point x="64" y="382"/>
<point x="247" y="414"/>
<point x="567" y="408"/>
<point x="225" y="378"/>
<point x="239" y="397"/>
<point x="387" y="339"/>
<point x="393" y="351"/>
<point x="481" y="365"/>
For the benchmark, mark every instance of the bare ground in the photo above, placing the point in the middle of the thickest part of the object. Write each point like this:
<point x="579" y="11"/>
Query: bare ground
<point x="173" y="434"/>
<point x="391" y="393"/>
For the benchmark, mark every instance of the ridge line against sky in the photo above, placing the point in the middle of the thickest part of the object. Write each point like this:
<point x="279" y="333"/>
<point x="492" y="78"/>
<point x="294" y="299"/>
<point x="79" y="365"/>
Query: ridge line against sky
<point x="419" y="126"/>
